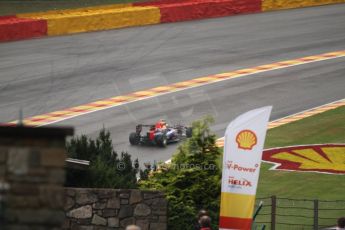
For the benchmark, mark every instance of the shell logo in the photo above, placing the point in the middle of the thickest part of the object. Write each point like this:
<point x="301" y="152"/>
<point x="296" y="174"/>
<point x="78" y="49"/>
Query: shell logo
<point x="246" y="139"/>
<point x="326" y="158"/>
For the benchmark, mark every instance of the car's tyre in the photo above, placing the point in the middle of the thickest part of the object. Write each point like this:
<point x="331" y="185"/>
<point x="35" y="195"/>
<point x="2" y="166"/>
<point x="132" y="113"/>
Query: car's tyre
<point x="161" y="141"/>
<point x="189" y="132"/>
<point x="134" y="139"/>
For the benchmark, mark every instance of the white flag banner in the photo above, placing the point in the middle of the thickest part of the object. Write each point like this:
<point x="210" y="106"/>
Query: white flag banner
<point x="243" y="146"/>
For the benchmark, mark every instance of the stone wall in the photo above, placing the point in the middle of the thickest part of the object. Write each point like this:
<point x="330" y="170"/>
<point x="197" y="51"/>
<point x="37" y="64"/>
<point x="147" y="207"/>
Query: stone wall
<point x="32" y="196"/>
<point x="32" y="176"/>
<point x="98" y="209"/>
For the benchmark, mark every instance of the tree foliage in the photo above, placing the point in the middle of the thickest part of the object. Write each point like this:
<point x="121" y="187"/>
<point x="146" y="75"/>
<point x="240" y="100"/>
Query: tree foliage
<point x="108" y="169"/>
<point x="192" y="180"/>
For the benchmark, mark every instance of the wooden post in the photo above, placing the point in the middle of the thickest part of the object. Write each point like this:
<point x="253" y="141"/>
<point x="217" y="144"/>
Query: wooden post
<point x="316" y="215"/>
<point x="273" y="212"/>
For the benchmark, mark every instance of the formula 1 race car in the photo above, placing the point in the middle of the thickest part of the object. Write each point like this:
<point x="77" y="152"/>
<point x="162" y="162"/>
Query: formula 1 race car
<point x="160" y="136"/>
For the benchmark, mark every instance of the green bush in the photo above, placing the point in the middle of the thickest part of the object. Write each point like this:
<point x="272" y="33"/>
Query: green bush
<point x="108" y="169"/>
<point x="193" y="179"/>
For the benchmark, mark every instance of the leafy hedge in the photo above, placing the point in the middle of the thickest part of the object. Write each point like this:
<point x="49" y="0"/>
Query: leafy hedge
<point x="108" y="169"/>
<point x="193" y="179"/>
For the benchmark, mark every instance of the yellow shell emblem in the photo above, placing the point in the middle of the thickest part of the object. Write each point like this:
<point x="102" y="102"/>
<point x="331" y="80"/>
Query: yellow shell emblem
<point x="246" y="139"/>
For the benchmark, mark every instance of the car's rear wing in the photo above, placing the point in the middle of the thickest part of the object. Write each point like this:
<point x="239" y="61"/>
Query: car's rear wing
<point x="145" y="125"/>
<point x="139" y="127"/>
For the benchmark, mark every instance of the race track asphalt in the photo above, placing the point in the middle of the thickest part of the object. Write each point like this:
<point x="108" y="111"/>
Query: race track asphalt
<point x="44" y="75"/>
